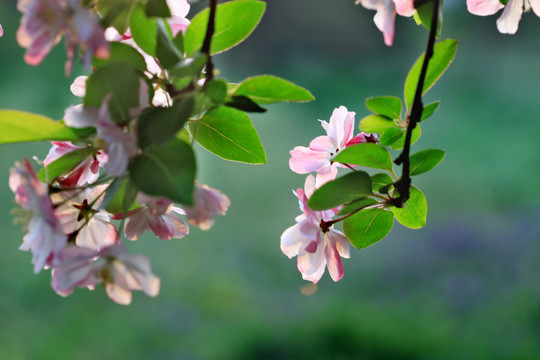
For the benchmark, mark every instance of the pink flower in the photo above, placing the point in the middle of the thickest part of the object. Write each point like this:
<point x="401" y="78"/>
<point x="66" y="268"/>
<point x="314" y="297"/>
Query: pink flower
<point x="208" y="203"/>
<point x="158" y="215"/>
<point x="120" y="142"/>
<point x="79" y="214"/>
<point x="45" y="21"/>
<point x="386" y="14"/>
<point x="44" y="237"/>
<point x="86" y="172"/>
<point x="1" y="31"/>
<point x="78" y="87"/>
<point x="73" y="267"/>
<point x="119" y="271"/>
<point x="318" y="157"/>
<point x="316" y="248"/>
<point x="509" y="20"/>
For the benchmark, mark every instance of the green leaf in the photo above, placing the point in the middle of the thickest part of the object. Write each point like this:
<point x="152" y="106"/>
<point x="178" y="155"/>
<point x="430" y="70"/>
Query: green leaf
<point x="389" y="106"/>
<point x="157" y="8"/>
<point x="425" y="160"/>
<point x="443" y="53"/>
<point x="19" y="126"/>
<point x="120" y="196"/>
<point x="366" y="154"/>
<point x="376" y="123"/>
<point x="244" y="103"/>
<point x="122" y="53"/>
<point x="413" y="214"/>
<point x="390" y="136"/>
<point x="64" y="164"/>
<point x="341" y="190"/>
<point x="166" y="50"/>
<point x="160" y="124"/>
<point x="269" y="89"/>
<point x="229" y="134"/>
<point x="425" y="12"/>
<point x="144" y="30"/>
<point x="355" y="205"/>
<point x="380" y="182"/>
<point x="190" y="67"/>
<point x="429" y="110"/>
<point x="118" y="80"/>
<point x="167" y="170"/>
<point x="116" y="13"/>
<point x="235" y="20"/>
<point x="366" y="227"/>
<point x="216" y="90"/>
<point x="400" y="143"/>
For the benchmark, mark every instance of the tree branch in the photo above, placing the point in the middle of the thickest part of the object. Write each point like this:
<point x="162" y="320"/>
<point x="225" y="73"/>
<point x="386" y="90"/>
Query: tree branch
<point x="404" y="183"/>
<point x="208" y="40"/>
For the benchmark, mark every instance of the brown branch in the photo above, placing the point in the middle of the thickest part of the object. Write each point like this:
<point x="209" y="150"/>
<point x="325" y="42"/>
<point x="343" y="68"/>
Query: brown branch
<point x="404" y="183"/>
<point x="205" y="49"/>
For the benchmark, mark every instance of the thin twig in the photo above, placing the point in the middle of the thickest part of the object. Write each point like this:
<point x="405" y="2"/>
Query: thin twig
<point x="205" y="49"/>
<point x="404" y="183"/>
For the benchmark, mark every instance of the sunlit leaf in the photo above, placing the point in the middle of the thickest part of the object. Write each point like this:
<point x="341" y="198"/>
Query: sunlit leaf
<point x="389" y="106"/>
<point x="268" y="89"/>
<point x="366" y="154"/>
<point x="425" y="160"/>
<point x="19" y="126"/>
<point x="346" y="188"/>
<point x="414" y="212"/>
<point x="366" y="227"/>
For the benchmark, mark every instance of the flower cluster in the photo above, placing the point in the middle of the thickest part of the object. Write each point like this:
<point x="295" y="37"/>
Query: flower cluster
<point x="72" y="225"/>
<point x="316" y="244"/>
<point x="509" y="20"/>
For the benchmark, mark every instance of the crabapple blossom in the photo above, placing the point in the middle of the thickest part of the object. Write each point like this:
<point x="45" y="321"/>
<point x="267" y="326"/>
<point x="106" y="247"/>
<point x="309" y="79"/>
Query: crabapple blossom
<point x="158" y="215"/>
<point x="44" y="237"/>
<point x="509" y="20"/>
<point x="386" y="14"/>
<point x="87" y="171"/>
<point x="318" y="156"/>
<point x="316" y="247"/>
<point x="208" y="203"/>
<point x="120" y="143"/>
<point x="45" y="21"/>
<point x="1" y="31"/>
<point x="78" y="213"/>
<point x="120" y="272"/>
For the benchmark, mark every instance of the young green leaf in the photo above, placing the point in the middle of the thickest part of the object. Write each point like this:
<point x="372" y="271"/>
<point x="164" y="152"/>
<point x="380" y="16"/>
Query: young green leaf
<point x="144" y="30"/>
<point x="157" y="8"/>
<point x="443" y="53"/>
<point x="216" y="90"/>
<point x="268" y="89"/>
<point x="118" y="80"/>
<point x="166" y="50"/>
<point x="425" y="160"/>
<point x="366" y="154"/>
<point x="64" y="164"/>
<point x="244" y="103"/>
<point x="381" y="181"/>
<point x="389" y="106"/>
<point x="229" y="133"/>
<point x="429" y="110"/>
<point x="167" y="170"/>
<point x="116" y="13"/>
<point x="376" y="124"/>
<point x="400" y="143"/>
<point x="366" y="227"/>
<point x="424" y="14"/>
<point x="120" y="196"/>
<point x="122" y="53"/>
<point x="341" y="190"/>
<point x="391" y="135"/>
<point x="355" y="205"/>
<point x="19" y="126"/>
<point x="235" y="20"/>
<point x="414" y="212"/>
<point x="160" y="124"/>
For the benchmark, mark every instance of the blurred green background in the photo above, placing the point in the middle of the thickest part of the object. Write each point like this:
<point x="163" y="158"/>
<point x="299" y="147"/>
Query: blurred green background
<point x="467" y="286"/>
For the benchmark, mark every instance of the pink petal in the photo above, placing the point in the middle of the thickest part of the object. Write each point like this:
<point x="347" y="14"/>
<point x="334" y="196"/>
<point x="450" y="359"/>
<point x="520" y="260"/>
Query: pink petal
<point x="136" y="224"/>
<point x="291" y="241"/>
<point x="484" y="7"/>
<point x="334" y="264"/>
<point x="405" y="7"/>
<point x="509" y="20"/>
<point x="304" y="160"/>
